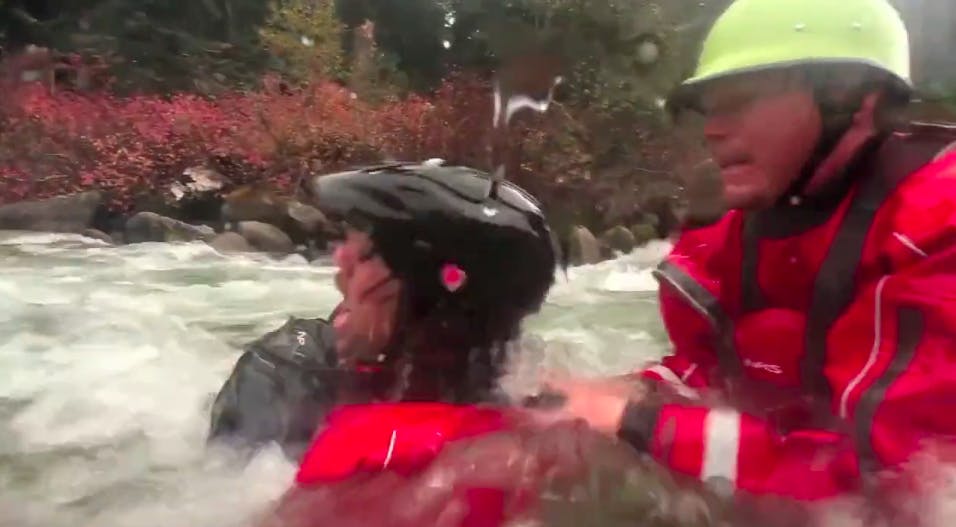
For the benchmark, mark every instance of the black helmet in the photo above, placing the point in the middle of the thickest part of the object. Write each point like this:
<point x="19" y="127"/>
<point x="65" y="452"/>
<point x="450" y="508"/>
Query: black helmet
<point x="474" y="257"/>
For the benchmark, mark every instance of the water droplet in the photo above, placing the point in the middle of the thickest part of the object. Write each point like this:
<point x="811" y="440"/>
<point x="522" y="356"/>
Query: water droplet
<point x="648" y="52"/>
<point x="505" y="109"/>
<point x="857" y="26"/>
<point x="799" y="26"/>
<point x="795" y="200"/>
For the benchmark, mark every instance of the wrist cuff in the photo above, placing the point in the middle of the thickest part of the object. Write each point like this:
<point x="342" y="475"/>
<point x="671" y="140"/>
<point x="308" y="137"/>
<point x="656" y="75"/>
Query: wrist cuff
<point x="638" y="423"/>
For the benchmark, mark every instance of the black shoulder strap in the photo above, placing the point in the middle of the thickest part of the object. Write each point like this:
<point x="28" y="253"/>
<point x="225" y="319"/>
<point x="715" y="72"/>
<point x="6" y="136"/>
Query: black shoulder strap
<point x="835" y="284"/>
<point x="305" y="343"/>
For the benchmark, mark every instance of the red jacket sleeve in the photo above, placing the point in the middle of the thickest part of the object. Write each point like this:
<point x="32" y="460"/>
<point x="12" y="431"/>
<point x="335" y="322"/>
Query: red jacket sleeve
<point x="689" y="366"/>
<point x="892" y="366"/>
<point x="690" y="311"/>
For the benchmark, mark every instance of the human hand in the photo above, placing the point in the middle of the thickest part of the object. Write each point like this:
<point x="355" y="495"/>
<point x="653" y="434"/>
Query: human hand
<point x="365" y="320"/>
<point x="599" y="402"/>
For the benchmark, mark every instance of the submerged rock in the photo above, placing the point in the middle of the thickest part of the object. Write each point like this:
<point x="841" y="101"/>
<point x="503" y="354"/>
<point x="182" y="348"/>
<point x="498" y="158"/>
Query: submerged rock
<point x="97" y="235"/>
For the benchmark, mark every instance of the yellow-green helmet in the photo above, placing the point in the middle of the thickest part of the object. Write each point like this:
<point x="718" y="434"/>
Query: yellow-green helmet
<point x="753" y="35"/>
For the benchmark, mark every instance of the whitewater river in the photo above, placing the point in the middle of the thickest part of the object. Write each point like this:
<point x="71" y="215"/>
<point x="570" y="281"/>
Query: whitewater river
<point x="110" y="358"/>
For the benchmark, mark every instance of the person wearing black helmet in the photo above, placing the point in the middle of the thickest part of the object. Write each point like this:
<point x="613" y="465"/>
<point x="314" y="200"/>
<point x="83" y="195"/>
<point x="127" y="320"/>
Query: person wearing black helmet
<point x="438" y="267"/>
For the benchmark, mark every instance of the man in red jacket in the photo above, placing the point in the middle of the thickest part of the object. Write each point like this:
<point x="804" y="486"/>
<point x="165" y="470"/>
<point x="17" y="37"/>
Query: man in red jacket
<point x="814" y="323"/>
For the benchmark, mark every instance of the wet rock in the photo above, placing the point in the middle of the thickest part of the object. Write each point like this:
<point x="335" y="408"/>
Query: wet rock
<point x="195" y="198"/>
<point x="97" y="235"/>
<point x="583" y="247"/>
<point x="151" y="227"/>
<point x="73" y="213"/>
<point x="301" y="222"/>
<point x="308" y="219"/>
<point x="643" y="233"/>
<point x="230" y="242"/>
<point x="650" y="219"/>
<point x="310" y="251"/>
<point x="197" y="183"/>
<point x="253" y="203"/>
<point x="266" y="237"/>
<point x="619" y="239"/>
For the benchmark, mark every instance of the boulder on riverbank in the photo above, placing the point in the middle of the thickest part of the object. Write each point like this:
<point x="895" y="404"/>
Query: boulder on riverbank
<point x="72" y="213"/>
<point x="583" y="247"/>
<point x="231" y="242"/>
<point x="253" y="218"/>
<point x="309" y="220"/>
<point x="254" y="203"/>
<point x="151" y="227"/>
<point x="266" y="237"/>
<point x="619" y="239"/>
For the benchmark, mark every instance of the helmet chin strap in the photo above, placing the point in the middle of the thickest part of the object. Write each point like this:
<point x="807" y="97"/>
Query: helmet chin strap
<point x="836" y="122"/>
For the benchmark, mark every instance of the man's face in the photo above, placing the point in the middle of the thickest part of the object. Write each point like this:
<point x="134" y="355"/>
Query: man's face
<point x="366" y="318"/>
<point x="761" y="130"/>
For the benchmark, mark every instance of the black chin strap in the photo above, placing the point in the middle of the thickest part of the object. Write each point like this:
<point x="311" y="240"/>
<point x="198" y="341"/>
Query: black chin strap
<point x="837" y="120"/>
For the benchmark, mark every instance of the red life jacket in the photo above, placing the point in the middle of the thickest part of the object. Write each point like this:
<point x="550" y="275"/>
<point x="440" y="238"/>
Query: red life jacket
<point x="402" y="438"/>
<point x="830" y="334"/>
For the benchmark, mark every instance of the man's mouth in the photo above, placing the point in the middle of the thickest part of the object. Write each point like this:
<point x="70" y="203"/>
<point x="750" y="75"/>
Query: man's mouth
<point x="724" y="165"/>
<point x="732" y="160"/>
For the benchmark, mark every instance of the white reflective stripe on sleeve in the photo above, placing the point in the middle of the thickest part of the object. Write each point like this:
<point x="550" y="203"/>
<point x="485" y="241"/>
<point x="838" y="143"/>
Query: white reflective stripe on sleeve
<point x="671" y="378"/>
<point x="721" y="445"/>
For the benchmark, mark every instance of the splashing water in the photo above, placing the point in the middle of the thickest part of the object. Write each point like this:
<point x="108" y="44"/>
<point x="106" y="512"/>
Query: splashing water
<point x="110" y="357"/>
<point x="503" y="112"/>
<point x="508" y="101"/>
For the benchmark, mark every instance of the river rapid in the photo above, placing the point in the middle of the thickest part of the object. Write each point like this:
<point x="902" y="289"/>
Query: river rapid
<point x="110" y="358"/>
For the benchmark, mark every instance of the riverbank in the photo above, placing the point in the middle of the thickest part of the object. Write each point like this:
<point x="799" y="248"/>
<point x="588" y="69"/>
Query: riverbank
<point x="185" y="157"/>
<point x="248" y="219"/>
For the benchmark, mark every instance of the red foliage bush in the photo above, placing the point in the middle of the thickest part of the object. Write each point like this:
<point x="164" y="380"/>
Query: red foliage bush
<point x="57" y="143"/>
<point x="63" y="142"/>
